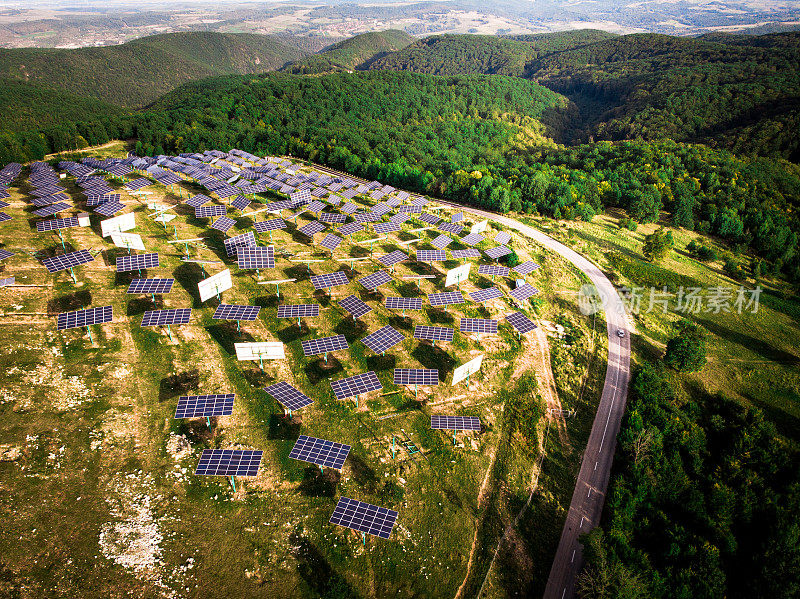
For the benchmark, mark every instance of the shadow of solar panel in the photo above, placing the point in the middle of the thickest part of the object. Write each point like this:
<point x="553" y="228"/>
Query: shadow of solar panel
<point x="523" y="292"/>
<point x="403" y="303"/>
<point x="84" y="318"/>
<point x="332" y="217"/>
<point x="209" y="211"/>
<point x="431" y="256"/>
<point x="65" y="261"/>
<point x="526" y="268"/>
<point x="312" y="228"/>
<point x="198" y="406"/>
<point x="229" y="462"/>
<point x="232" y="244"/>
<point x="151" y="286"/>
<point x="423" y="331"/>
<point x="498" y="251"/>
<point x="472" y="239"/>
<point x="386" y="228"/>
<point x="446" y="298"/>
<point x="429" y="218"/>
<point x="109" y="208"/>
<point x="298" y="311"/>
<point x="375" y="280"/>
<point x="328" y="454"/>
<point x="356" y="385"/>
<point x="502" y="238"/>
<point x="451" y="228"/>
<point x="441" y="242"/>
<point x="136" y="262"/>
<point x="520" y="322"/>
<point x="463" y="254"/>
<point x="315" y="347"/>
<point x="484" y="295"/>
<point x="55" y="224"/>
<point x="236" y="312"/>
<point x="493" y="270"/>
<point x="326" y="281"/>
<point x="383" y="339"/>
<point x="269" y="225"/>
<point x="331" y="242"/>
<point x="364" y="517"/>
<point x="154" y="318"/>
<point x="478" y="325"/>
<point x="52" y="209"/>
<point x="456" y="423"/>
<point x="416" y="376"/>
<point x="255" y="257"/>
<point x="355" y="306"/>
<point x="223" y="223"/>
<point x="289" y="397"/>
<point x="393" y="258"/>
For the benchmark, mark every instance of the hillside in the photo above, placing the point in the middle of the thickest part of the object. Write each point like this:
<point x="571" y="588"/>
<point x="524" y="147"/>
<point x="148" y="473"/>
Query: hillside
<point x="353" y="53"/>
<point x="136" y="73"/>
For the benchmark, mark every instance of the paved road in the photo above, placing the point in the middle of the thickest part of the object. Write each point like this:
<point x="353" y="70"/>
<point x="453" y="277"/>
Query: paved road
<point x="590" y="489"/>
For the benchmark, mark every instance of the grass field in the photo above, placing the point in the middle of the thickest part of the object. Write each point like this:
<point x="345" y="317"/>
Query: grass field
<point x="97" y="476"/>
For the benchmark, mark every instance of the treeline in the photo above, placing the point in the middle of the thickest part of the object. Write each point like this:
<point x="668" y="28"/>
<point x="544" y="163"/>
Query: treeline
<point x="703" y="501"/>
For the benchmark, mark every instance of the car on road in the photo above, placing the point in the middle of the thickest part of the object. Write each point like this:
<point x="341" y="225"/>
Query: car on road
<point x="620" y="333"/>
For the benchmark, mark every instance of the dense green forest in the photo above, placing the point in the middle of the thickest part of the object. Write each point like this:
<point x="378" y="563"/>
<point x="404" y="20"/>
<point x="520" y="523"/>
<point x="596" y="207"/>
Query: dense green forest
<point x="702" y="504"/>
<point x="353" y="53"/>
<point x="136" y="73"/>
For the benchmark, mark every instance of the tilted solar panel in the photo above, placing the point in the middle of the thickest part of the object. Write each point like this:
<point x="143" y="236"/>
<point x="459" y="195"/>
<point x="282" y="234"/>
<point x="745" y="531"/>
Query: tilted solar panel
<point x="502" y="237"/>
<point x="326" y="281"/>
<point x="209" y="211"/>
<point x="493" y="270"/>
<point x="355" y="306"/>
<point x="464" y="254"/>
<point x="455" y="423"/>
<point x="350" y="228"/>
<point x="154" y="318"/>
<point x="328" y="454"/>
<point x="484" y="295"/>
<point x="422" y="331"/>
<point x="324" y="345"/>
<point x="229" y="462"/>
<point x="520" y="322"/>
<point x="65" y="261"/>
<point x="523" y="292"/>
<point x="441" y="242"/>
<point x="393" y="258"/>
<point x="416" y="376"/>
<point x="498" y="251"/>
<point x="223" y="223"/>
<point x="298" y="311"/>
<point x="256" y="257"/>
<point x="446" y="298"/>
<point x="236" y="312"/>
<point x="375" y="280"/>
<point x="526" y="268"/>
<point x="472" y="239"/>
<point x="151" y="286"/>
<point x="269" y="225"/>
<point x="312" y="228"/>
<point x="478" y="325"/>
<point x="364" y="517"/>
<point x="403" y="303"/>
<point x="353" y="386"/>
<point x="137" y="262"/>
<point x="289" y="397"/>
<point x="54" y="224"/>
<point x="451" y="228"/>
<point x="84" y="318"/>
<point x="383" y="339"/>
<point x="199" y="406"/>
<point x="431" y="256"/>
<point x="232" y="244"/>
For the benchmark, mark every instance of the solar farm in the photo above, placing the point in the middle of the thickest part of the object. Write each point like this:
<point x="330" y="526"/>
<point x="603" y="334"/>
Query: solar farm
<point x="273" y="370"/>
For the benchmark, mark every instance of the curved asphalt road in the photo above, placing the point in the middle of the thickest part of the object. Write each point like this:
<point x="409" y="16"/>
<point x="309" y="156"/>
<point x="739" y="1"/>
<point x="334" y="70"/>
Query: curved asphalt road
<point x="590" y="489"/>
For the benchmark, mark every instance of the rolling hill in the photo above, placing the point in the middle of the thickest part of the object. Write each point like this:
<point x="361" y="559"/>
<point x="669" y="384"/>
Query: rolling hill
<point x="136" y="73"/>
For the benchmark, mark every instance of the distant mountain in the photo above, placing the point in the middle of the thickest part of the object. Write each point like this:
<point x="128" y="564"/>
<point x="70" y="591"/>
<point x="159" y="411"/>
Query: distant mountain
<point x="354" y="53"/>
<point x="136" y="73"/>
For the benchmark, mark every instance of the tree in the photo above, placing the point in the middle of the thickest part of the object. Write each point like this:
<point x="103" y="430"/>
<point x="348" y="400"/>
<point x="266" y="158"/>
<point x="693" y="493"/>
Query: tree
<point x="657" y="245"/>
<point x="686" y="351"/>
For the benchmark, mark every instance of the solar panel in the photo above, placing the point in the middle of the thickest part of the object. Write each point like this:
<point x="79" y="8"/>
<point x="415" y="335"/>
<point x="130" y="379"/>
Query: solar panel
<point x="320" y="452"/>
<point x="269" y="225"/>
<point x="386" y="228"/>
<point x="151" y="286"/>
<point x="484" y="295"/>
<point x="326" y="281"/>
<point x="240" y="203"/>
<point x="355" y="306"/>
<point x="493" y="270"/>
<point x="353" y="386"/>
<point x="198" y="200"/>
<point x="348" y="208"/>
<point x="323" y="345"/>
<point x="478" y="325"/>
<point x="229" y="462"/>
<point x="351" y="228"/>
<point x="523" y="292"/>
<point x="404" y="303"/>
<point x="431" y="256"/>
<point x="410" y="209"/>
<point x="383" y="339"/>
<point x="498" y="251"/>
<point x="289" y="397"/>
<point x="366" y="217"/>
<point x="526" y="268"/>
<point x="381" y="208"/>
<point x="447" y="298"/>
<point x="375" y="280"/>
<point x="441" y="242"/>
<point x="84" y="318"/>
<point x="256" y="257"/>
<point x="5" y="254"/>
<point x="456" y="423"/>
<point x="55" y="224"/>
<point x="332" y="217"/>
<point x="236" y="312"/>
<point x="457" y="217"/>
<point x="364" y="517"/>
<point x="6" y="281"/>
<point x="137" y="262"/>
<point x="429" y="218"/>
<point x="312" y="228"/>
<point x="298" y="311"/>
<point x="331" y="242"/>
<point x="316" y="206"/>
<point x="223" y="223"/>
<point x="65" y="261"/>
<point x="300" y="198"/>
<point x="520" y="322"/>
<point x="502" y="237"/>
<point x="472" y="239"/>
<point x="154" y="318"/>
<point x="209" y="211"/>
<point x="416" y="376"/>
<point x="468" y="253"/>
<point x="4" y="217"/>
<point x="232" y="244"/>
<point x="393" y="258"/>
<point x="52" y="209"/>
<point x="424" y="331"/>
<point x="198" y="406"/>
<point x="400" y="217"/>
<point x="451" y="228"/>
<point x="109" y="208"/>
